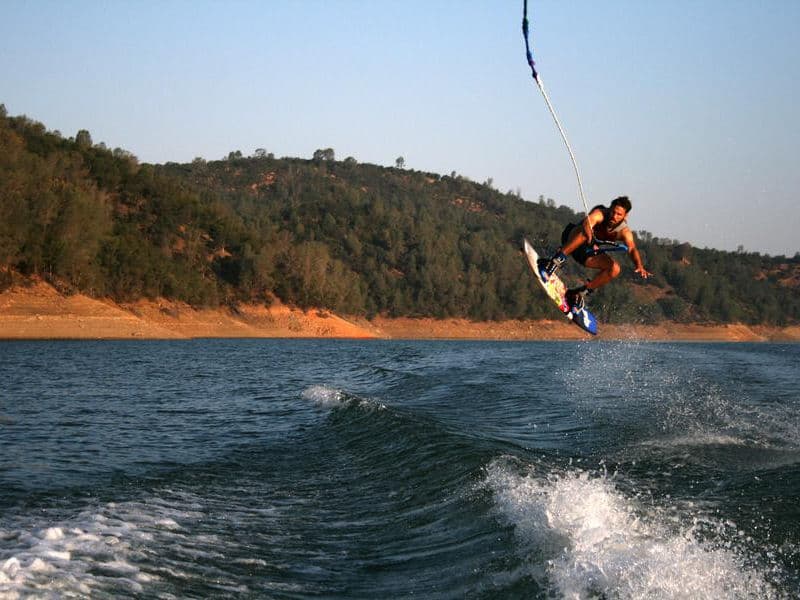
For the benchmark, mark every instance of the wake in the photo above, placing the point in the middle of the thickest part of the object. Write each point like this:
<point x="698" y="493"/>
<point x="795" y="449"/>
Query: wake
<point x="587" y="539"/>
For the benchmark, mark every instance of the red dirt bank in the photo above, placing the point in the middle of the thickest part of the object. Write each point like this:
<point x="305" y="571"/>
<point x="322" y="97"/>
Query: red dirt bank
<point x="40" y="312"/>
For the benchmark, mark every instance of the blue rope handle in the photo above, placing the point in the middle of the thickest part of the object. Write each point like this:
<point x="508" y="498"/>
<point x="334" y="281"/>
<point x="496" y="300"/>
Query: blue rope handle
<point x="527" y="42"/>
<point x="603" y="247"/>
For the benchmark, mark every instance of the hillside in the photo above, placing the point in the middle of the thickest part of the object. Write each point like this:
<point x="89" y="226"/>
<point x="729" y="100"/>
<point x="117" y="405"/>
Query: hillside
<point x="357" y="239"/>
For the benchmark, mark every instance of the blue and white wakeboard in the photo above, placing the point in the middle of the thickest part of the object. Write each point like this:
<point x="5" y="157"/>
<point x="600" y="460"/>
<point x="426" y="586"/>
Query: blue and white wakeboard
<point x="556" y="291"/>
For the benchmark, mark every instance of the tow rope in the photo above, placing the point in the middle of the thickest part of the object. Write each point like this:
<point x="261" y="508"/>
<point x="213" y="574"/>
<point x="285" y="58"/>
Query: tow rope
<point x="539" y="83"/>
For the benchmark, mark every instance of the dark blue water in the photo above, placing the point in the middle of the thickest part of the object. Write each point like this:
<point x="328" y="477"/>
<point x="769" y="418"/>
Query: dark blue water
<point x="336" y="469"/>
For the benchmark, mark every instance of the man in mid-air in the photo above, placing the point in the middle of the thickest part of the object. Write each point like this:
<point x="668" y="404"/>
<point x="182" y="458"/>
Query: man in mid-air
<point x="580" y="242"/>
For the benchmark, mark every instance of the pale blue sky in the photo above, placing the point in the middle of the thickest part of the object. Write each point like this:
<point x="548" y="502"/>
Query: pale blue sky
<point x="688" y="107"/>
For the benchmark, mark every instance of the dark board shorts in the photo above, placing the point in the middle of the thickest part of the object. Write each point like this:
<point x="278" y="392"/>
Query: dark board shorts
<point x="581" y="253"/>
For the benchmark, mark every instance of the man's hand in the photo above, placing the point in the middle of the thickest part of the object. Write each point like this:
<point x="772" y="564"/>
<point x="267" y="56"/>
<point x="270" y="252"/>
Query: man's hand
<point x="643" y="272"/>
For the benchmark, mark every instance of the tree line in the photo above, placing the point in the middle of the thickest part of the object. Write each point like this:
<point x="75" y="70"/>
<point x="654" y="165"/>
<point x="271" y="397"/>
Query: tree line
<point x="354" y="238"/>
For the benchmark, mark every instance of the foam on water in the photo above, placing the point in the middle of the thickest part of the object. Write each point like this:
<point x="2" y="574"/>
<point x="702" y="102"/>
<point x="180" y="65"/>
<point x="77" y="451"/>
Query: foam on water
<point x="324" y="396"/>
<point x="594" y="541"/>
<point x="94" y="549"/>
<point x="329" y="397"/>
<point x="66" y="559"/>
<point x="695" y="439"/>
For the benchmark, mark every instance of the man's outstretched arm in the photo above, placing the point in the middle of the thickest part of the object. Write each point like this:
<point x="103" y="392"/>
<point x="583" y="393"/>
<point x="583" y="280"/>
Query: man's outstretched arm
<point x="635" y="256"/>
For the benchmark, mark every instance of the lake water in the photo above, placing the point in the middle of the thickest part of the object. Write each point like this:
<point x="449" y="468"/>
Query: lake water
<point x="392" y="469"/>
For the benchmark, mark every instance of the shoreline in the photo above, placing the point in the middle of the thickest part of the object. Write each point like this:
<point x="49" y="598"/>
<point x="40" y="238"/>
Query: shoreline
<point x="39" y="312"/>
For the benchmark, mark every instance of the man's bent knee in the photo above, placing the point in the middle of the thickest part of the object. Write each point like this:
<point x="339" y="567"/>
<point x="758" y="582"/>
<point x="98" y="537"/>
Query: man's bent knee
<point x="574" y="240"/>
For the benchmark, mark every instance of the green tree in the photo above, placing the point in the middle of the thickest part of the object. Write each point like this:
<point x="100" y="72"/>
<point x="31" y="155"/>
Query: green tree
<point x="324" y="155"/>
<point x="83" y="139"/>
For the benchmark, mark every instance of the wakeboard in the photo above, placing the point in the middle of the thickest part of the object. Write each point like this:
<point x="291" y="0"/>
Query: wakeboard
<point x="556" y="291"/>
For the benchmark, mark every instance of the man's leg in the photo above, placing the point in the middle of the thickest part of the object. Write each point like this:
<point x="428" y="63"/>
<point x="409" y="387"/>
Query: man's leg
<point x="609" y="269"/>
<point x="574" y="241"/>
